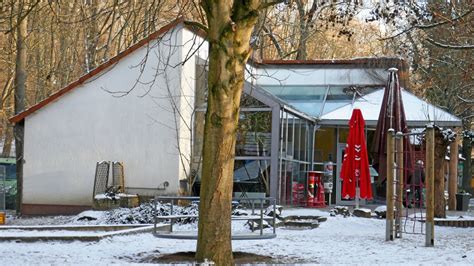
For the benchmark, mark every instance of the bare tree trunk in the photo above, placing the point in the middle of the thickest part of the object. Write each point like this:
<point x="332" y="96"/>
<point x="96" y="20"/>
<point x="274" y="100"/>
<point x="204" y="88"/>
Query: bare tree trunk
<point x="301" y="53"/>
<point x="439" y="182"/>
<point x="230" y="28"/>
<point x="7" y="143"/>
<point x="91" y="38"/>
<point x="5" y="103"/>
<point x="301" y="50"/>
<point x="20" y="98"/>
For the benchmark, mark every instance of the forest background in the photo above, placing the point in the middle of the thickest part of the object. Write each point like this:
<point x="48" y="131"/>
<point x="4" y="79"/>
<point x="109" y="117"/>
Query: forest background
<point x="47" y="44"/>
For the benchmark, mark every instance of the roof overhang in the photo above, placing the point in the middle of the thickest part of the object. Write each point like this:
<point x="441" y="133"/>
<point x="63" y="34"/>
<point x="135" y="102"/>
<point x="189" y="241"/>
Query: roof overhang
<point x="418" y="112"/>
<point x="373" y="123"/>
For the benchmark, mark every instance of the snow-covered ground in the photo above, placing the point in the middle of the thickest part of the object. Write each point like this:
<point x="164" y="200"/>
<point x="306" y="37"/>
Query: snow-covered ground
<point x="339" y="240"/>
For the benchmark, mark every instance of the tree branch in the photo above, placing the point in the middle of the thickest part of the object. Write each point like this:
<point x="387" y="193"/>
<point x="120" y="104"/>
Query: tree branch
<point x="269" y="4"/>
<point x="23" y="16"/>
<point x="197" y="24"/>
<point x="274" y="40"/>
<point x="465" y="100"/>
<point x="429" y="26"/>
<point x="433" y="25"/>
<point x="450" y="46"/>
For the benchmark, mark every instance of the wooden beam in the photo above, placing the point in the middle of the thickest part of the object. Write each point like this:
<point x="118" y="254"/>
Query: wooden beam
<point x="389" y="232"/>
<point x="430" y="172"/>
<point x="399" y="182"/>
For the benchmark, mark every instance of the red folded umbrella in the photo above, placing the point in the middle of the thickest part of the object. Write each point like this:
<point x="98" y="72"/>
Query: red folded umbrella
<point x="355" y="166"/>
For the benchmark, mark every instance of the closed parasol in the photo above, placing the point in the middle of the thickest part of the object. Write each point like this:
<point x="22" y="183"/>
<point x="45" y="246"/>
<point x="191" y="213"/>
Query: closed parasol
<point x="392" y="115"/>
<point x="355" y="166"/>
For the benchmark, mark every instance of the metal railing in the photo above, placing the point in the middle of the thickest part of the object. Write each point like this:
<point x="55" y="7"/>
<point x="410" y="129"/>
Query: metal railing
<point x="256" y="215"/>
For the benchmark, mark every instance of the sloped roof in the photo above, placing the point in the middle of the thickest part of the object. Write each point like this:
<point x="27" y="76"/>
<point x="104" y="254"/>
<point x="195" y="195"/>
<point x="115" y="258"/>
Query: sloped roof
<point x="19" y="117"/>
<point x="418" y="111"/>
<point x="265" y="63"/>
<point x="271" y="100"/>
<point x="366" y="61"/>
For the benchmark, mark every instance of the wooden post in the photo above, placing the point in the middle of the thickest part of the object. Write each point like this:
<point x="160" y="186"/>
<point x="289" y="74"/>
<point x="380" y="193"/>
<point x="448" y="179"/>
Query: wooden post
<point x="430" y="172"/>
<point x="399" y="203"/>
<point x="453" y="174"/>
<point x="390" y="185"/>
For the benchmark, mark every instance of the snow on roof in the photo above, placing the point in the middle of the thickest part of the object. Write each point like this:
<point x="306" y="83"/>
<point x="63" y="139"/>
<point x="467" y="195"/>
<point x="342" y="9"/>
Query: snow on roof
<point x="418" y="112"/>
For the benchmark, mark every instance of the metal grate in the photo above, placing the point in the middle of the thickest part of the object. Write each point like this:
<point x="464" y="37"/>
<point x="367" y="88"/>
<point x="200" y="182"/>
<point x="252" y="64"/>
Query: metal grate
<point x="101" y="177"/>
<point x="118" y="179"/>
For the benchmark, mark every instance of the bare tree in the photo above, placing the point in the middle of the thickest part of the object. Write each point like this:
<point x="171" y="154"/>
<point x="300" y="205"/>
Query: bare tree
<point x="298" y="29"/>
<point x="437" y="39"/>
<point x="229" y="29"/>
<point x="20" y="92"/>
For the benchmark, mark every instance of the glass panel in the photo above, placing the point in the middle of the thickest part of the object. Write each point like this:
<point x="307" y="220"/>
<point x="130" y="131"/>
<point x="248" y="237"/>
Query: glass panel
<point x="198" y="139"/>
<point x="340" y="93"/>
<point x="201" y="91"/>
<point x="10" y="170"/>
<point x="310" y="99"/>
<point x="297" y="140"/>
<point x="290" y="139"/>
<point x="251" y="176"/>
<point x="282" y="179"/>
<point x="201" y="86"/>
<point x="324" y="144"/>
<point x="304" y="141"/>
<point x="249" y="101"/>
<point x="288" y="136"/>
<point x="254" y="134"/>
<point x="343" y="133"/>
<point x="369" y="141"/>
<point x="311" y="108"/>
<point x="305" y="93"/>
<point x="283" y="134"/>
<point x="333" y="105"/>
<point x="290" y="176"/>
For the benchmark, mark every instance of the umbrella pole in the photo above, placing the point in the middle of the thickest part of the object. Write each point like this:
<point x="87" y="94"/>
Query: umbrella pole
<point x="390" y="187"/>
<point x="357" y="198"/>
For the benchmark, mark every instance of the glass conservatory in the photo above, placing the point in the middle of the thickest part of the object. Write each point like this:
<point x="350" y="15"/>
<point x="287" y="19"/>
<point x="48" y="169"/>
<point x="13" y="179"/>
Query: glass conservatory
<point x="273" y="146"/>
<point x="285" y="131"/>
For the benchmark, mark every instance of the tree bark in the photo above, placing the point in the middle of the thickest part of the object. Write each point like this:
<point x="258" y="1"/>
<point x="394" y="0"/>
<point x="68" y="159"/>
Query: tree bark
<point x="229" y="29"/>
<point x="91" y="38"/>
<point x="301" y="53"/>
<point x="20" y="97"/>
<point x="7" y="143"/>
<point x="439" y="182"/>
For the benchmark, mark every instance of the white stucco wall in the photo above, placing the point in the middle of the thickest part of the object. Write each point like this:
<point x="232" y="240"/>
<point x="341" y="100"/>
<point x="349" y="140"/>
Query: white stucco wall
<point x="65" y="139"/>
<point x="194" y="49"/>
